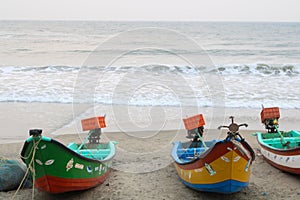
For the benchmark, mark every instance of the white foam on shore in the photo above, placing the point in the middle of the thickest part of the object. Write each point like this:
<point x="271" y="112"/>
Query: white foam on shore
<point x="246" y="86"/>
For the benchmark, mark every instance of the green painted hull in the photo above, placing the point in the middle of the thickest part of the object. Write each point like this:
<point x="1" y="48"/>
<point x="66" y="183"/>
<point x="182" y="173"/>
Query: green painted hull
<point x="57" y="168"/>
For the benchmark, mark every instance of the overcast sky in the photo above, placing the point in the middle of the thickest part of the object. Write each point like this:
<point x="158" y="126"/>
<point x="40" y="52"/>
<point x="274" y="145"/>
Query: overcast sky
<point x="152" y="10"/>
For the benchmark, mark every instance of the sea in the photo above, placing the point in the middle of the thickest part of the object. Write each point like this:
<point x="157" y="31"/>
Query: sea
<point x="204" y="64"/>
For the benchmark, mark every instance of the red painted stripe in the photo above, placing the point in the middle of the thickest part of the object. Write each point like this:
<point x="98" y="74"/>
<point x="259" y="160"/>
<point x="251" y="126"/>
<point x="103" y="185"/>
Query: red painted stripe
<point x="283" y="152"/>
<point x="54" y="184"/>
<point x="284" y="168"/>
<point x="219" y="150"/>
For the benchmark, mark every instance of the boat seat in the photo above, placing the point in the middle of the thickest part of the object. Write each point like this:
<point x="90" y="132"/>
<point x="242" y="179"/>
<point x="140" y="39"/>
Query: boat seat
<point x="96" y="153"/>
<point x="90" y="153"/>
<point x="190" y="153"/>
<point x="276" y="142"/>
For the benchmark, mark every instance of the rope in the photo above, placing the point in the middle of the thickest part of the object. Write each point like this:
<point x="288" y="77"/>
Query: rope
<point x="201" y="140"/>
<point x="33" y="151"/>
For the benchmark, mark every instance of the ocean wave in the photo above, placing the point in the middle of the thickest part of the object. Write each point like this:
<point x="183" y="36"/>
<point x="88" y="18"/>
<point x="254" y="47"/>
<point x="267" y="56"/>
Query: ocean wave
<point x="228" y="69"/>
<point x="260" y="69"/>
<point x="38" y="69"/>
<point x="243" y="85"/>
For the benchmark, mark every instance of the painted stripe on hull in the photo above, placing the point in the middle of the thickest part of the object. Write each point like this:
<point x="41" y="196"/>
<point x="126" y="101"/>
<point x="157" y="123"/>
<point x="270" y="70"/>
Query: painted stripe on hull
<point x="226" y="187"/>
<point x="289" y="163"/>
<point x="54" y="184"/>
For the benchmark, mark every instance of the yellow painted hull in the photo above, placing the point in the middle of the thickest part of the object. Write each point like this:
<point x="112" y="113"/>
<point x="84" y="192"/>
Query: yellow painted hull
<point x="228" y="167"/>
<point x="223" y="168"/>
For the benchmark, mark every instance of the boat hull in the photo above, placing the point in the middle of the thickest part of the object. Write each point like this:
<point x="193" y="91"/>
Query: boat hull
<point x="225" y="187"/>
<point x="283" y="158"/>
<point x="54" y="184"/>
<point x="57" y="169"/>
<point x="224" y="168"/>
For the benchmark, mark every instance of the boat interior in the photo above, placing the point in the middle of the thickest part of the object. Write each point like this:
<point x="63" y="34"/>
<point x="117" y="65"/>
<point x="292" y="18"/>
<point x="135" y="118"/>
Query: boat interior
<point x="95" y="151"/>
<point x="286" y="144"/>
<point x="290" y="139"/>
<point x="190" y="150"/>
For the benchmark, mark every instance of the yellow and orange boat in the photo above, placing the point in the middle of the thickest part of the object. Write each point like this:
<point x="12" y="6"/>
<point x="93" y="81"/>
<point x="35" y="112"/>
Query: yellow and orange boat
<point x="221" y="166"/>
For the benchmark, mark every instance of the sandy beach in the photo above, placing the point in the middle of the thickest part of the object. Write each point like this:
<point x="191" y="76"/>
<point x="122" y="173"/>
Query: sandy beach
<point x="143" y="167"/>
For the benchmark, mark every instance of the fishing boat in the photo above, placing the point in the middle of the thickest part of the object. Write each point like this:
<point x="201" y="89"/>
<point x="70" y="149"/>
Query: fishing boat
<point x="279" y="148"/>
<point x="56" y="168"/>
<point x="220" y="166"/>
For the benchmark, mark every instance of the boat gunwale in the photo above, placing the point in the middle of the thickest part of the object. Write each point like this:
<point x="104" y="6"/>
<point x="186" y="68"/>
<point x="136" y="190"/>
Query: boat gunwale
<point x="174" y="153"/>
<point x="46" y="139"/>
<point x="205" y="153"/>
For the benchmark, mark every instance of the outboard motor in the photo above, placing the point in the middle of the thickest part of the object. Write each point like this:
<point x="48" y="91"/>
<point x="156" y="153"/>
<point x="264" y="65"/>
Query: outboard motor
<point x="269" y="117"/>
<point x="35" y="132"/>
<point x="195" y="128"/>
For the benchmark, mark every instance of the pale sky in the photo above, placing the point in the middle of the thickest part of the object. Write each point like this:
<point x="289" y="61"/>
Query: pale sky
<point x="152" y="10"/>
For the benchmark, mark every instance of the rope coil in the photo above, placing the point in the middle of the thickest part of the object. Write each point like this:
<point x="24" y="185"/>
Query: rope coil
<point x="29" y="168"/>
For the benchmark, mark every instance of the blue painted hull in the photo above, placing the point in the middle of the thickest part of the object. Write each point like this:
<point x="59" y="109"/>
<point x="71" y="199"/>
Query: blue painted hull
<point x="225" y="187"/>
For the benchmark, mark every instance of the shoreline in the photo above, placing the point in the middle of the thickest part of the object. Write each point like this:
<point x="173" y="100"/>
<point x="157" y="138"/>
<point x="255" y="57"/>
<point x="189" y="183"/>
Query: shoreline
<point x="56" y="119"/>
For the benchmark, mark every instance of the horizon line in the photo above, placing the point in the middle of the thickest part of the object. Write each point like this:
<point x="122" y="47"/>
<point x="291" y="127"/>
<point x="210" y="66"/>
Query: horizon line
<point x="100" y="20"/>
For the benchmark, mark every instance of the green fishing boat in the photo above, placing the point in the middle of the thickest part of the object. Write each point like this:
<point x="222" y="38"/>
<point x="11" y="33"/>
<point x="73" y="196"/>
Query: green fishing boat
<point x="56" y="168"/>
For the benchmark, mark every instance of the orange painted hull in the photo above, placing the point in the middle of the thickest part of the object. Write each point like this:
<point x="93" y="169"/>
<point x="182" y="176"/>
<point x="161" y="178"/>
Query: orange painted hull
<point x="55" y="185"/>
